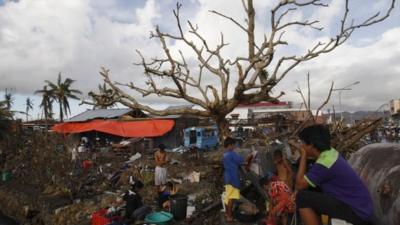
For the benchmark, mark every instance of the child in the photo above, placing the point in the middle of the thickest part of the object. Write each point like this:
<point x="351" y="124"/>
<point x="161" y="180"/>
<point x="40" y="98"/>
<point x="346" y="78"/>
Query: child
<point x="281" y="200"/>
<point x="163" y="196"/>
<point x="283" y="169"/>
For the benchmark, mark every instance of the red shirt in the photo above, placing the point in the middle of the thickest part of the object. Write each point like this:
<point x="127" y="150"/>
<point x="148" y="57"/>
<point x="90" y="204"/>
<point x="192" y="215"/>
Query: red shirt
<point x="280" y="196"/>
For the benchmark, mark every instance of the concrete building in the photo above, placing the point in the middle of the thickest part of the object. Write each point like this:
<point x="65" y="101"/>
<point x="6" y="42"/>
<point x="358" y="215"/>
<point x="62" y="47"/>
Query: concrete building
<point x="244" y="112"/>
<point x="395" y="107"/>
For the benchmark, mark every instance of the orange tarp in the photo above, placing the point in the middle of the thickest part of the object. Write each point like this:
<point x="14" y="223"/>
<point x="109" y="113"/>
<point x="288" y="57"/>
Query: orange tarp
<point x="144" y="128"/>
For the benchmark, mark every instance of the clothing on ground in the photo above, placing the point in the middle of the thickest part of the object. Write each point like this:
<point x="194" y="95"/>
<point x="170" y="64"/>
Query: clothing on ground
<point x="337" y="179"/>
<point x="160" y="176"/>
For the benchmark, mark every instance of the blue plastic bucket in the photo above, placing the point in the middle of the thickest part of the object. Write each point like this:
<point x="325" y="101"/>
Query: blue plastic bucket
<point x="6" y="176"/>
<point x="161" y="218"/>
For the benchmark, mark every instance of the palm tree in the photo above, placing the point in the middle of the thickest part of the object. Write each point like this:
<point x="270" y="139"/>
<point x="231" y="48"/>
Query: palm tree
<point x="29" y="106"/>
<point x="47" y="102"/>
<point x="104" y="98"/>
<point x="8" y="99"/>
<point x="61" y="92"/>
<point x="5" y="119"/>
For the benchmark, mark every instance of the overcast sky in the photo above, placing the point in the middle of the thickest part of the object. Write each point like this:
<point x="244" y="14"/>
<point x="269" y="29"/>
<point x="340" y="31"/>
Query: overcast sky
<point x="40" y="38"/>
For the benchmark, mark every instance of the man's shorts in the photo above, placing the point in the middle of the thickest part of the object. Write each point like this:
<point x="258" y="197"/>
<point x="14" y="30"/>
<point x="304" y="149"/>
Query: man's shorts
<point x="231" y="193"/>
<point x="160" y="176"/>
<point x="327" y="205"/>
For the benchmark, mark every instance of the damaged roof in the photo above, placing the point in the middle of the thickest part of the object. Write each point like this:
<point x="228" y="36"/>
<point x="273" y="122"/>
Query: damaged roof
<point x="188" y="106"/>
<point x="99" y="114"/>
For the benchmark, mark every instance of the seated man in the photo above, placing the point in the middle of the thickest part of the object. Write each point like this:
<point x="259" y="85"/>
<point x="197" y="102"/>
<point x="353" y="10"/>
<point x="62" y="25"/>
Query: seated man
<point x="280" y="197"/>
<point x="135" y="209"/>
<point x="344" y="195"/>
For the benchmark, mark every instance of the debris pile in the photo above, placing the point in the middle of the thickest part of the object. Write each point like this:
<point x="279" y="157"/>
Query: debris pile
<point x="55" y="184"/>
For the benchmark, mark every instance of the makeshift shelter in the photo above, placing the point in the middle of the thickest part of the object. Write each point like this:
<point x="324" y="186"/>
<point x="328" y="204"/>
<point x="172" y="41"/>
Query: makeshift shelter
<point x="145" y="128"/>
<point x="174" y="138"/>
<point x="130" y="123"/>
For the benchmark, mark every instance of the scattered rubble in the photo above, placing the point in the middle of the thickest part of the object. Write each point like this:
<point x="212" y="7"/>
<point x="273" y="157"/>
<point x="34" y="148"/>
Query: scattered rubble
<point x="54" y="187"/>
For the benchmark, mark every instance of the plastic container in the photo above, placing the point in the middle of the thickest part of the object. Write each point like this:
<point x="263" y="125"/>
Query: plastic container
<point x="159" y="218"/>
<point x="178" y="206"/>
<point x="6" y="176"/>
<point x="98" y="218"/>
<point x="86" y="164"/>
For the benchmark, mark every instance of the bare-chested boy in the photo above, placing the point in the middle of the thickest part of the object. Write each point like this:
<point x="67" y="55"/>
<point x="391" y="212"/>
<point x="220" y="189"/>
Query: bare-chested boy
<point x="283" y="169"/>
<point x="160" y="176"/>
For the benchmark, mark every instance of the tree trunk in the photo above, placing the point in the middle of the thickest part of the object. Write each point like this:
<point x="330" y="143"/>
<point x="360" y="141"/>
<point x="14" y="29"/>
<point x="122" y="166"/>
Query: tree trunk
<point x="223" y="128"/>
<point x="61" y="113"/>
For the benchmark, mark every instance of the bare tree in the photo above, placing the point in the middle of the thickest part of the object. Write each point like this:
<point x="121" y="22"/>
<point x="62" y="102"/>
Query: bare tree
<point x="251" y="77"/>
<point x="311" y="118"/>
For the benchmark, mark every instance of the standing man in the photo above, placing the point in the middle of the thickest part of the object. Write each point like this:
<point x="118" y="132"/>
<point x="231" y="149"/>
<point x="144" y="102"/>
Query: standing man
<point x="160" y="176"/>
<point x="344" y="195"/>
<point x="231" y="162"/>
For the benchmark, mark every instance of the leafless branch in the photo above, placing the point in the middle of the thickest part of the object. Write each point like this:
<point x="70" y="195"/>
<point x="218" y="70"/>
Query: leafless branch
<point x="255" y="74"/>
<point x="326" y="100"/>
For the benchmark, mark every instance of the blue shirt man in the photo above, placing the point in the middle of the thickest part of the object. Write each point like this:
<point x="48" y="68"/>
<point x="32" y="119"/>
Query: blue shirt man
<point x="231" y="162"/>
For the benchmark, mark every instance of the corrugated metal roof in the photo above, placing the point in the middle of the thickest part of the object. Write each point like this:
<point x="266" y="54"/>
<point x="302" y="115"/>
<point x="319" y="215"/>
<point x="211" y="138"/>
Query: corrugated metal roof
<point x="167" y="117"/>
<point x="99" y="114"/>
<point x="189" y="106"/>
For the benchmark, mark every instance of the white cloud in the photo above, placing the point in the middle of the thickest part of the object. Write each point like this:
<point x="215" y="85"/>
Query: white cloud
<point x="40" y="38"/>
<point x="376" y="66"/>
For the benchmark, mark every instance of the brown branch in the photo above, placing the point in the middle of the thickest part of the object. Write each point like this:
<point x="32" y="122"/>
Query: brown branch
<point x="255" y="73"/>
<point x="130" y="101"/>
<point x="298" y="90"/>
<point x="326" y="100"/>
<point x="309" y="90"/>
<point x="231" y="19"/>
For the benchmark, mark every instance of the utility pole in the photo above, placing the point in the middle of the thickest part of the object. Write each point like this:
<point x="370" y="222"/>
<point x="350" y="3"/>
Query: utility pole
<point x="345" y="88"/>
